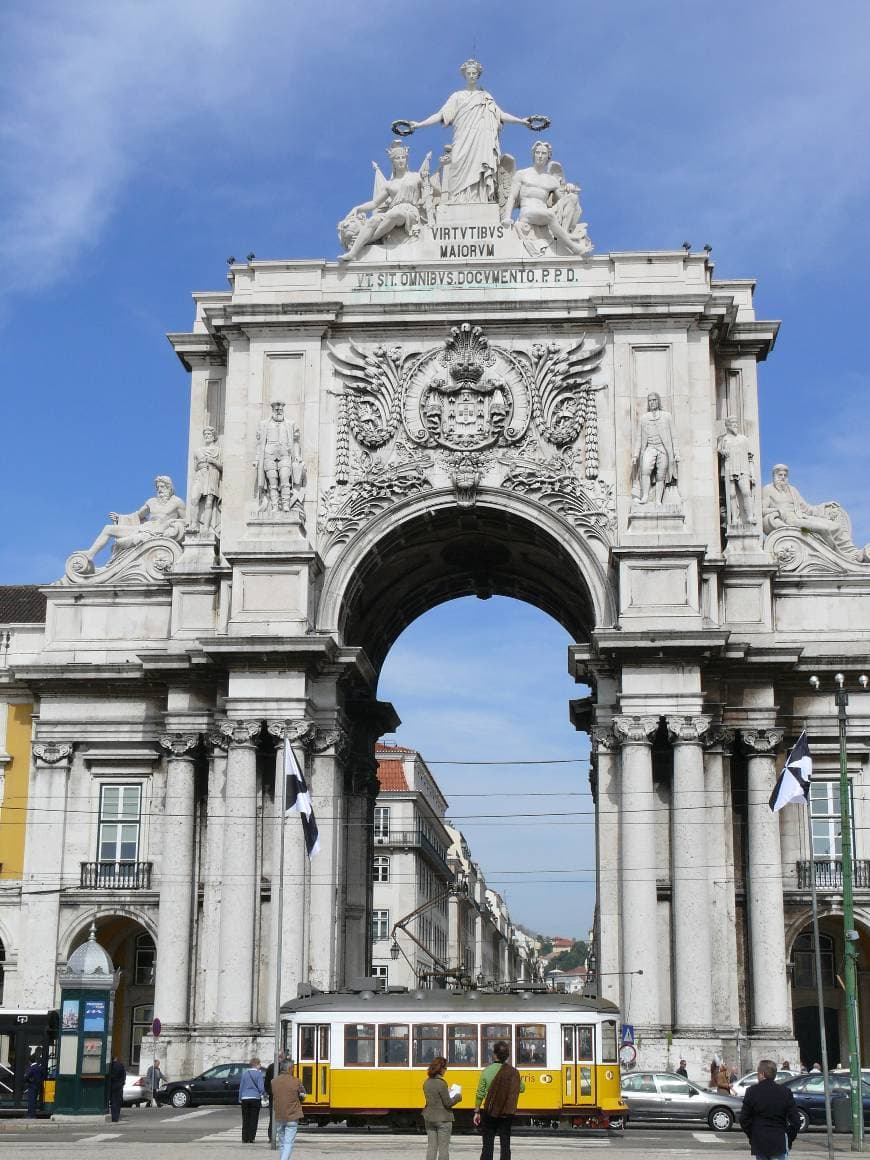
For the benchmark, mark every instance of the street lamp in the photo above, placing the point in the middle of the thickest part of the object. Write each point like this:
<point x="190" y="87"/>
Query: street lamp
<point x="850" y="935"/>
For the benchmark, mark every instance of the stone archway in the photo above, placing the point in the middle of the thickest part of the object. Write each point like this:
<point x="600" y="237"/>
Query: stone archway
<point x="132" y="948"/>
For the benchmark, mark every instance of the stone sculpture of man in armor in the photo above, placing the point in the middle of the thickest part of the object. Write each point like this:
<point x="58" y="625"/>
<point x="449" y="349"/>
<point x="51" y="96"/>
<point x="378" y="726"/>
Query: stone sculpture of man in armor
<point x="208" y="471"/>
<point x="655" y="456"/>
<point x="279" y="463"/>
<point x="738" y="468"/>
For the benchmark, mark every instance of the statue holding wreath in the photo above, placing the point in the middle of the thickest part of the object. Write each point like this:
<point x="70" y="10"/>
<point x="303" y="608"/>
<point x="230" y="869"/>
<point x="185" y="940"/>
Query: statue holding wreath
<point x="400" y="202"/>
<point x="472" y="175"/>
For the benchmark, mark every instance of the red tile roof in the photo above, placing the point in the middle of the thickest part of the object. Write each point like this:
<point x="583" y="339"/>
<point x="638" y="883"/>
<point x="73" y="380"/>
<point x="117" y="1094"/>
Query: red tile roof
<point x="386" y="747"/>
<point x="391" y="776"/>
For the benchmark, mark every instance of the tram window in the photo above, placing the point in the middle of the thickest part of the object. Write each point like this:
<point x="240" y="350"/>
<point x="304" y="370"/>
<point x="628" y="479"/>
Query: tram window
<point x="393" y="1045"/>
<point x="462" y="1045"/>
<point x="584" y="1043"/>
<point x="585" y="1081"/>
<point x="490" y="1034"/>
<point x="324" y="1043"/>
<point x="531" y="1044"/>
<point x="359" y="1044"/>
<point x="608" y="1041"/>
<point x="306" y="1042"/>
<point x="428" y="1042"/>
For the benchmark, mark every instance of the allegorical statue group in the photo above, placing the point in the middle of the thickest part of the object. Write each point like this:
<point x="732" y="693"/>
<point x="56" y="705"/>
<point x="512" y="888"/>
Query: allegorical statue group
<point x="472" y="171"/>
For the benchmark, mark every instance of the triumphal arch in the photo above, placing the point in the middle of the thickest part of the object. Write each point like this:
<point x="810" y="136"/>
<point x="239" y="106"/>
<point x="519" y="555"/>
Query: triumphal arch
<point x="469" y="400"/>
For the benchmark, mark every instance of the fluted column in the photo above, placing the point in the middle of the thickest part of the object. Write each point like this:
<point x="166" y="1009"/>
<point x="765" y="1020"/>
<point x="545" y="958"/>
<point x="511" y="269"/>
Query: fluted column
<point x="240" y="885"/>
<point x="770" y="1002"/>
<point x="723" y="925"/>
<point x="177" y="883"/>
<point x="690" y="908"/>
<point x="637" y="819"/>
<point x="43" y="871"/>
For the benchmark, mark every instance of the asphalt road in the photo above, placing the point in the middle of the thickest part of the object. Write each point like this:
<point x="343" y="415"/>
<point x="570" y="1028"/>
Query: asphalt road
<point x="168" y="1134"/>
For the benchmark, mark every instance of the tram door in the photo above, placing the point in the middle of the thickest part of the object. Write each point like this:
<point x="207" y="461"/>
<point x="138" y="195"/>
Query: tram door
<point x="313" y="1057"/>
<point x="578" y="1071"/>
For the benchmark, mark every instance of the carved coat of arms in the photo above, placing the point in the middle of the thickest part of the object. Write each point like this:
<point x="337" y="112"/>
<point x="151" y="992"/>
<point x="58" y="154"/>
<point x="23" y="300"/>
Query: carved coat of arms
<point x="474" y="410"/>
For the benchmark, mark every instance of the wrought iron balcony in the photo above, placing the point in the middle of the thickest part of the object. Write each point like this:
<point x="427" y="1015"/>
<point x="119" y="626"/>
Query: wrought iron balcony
<point x="116" y="875"/>
<point x="829" y="874"/>
<point x="415" y="838"/>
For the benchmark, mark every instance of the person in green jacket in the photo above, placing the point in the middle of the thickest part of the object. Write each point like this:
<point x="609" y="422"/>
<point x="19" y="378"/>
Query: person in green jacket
<point x="496" y="1102"/>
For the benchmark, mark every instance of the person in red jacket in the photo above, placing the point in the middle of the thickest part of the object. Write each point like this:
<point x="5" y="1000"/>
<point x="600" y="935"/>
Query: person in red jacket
<point x="769" y="1116"/>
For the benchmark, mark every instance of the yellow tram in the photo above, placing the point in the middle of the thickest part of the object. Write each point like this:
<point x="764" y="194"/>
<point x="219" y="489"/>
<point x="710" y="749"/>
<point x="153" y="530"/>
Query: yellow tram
<point x="363" y="1055"/>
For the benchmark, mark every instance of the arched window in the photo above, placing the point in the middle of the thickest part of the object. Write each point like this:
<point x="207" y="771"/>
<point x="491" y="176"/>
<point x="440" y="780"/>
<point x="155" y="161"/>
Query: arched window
<point x="145" y="956"/>
<point x="804" y="961"/>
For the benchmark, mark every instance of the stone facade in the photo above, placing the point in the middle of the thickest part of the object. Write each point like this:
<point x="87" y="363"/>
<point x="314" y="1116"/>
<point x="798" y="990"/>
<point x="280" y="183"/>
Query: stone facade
<point x="468" y="405"/>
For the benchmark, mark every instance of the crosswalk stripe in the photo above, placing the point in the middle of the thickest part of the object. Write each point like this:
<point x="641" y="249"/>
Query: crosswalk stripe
<point x="708" y="1138"/>
<point x="99" y="1138"/>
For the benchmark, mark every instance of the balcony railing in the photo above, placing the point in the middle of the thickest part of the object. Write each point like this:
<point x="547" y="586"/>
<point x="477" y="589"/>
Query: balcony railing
<point x="413" y="838"/>
<point x="116" y="875"/>
<point x="829" y="874"/>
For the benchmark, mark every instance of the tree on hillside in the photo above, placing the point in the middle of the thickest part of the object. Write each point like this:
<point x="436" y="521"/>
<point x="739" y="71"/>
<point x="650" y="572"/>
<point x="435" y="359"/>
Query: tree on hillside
<point x="575" y="957"/>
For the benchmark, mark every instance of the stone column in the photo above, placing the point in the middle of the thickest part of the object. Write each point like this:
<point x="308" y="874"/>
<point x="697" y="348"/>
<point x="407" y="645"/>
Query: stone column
<point x="607" y="818"/>
<point x="240" y="885"/>
<point x="639" y="906"/>
<point x="209" y="943"/>
<point x="177" y="884"/>
<point x="43" y="871"/>
<point x="770" y="1013"/>
<point x="338" y="947"/>
<point x="723" y="924"/>
<point x="690" y="907"/>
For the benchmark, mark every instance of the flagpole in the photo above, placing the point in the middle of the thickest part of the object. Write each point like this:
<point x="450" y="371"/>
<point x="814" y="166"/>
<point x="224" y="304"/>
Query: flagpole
<point x="819" y="990"/>
<point x="280" y="797"/>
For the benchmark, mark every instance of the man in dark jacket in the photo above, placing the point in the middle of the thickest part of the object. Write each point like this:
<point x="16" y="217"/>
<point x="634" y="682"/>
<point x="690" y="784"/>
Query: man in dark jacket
<point x="117" y="1079"/>
<point x="769" y="1116"/>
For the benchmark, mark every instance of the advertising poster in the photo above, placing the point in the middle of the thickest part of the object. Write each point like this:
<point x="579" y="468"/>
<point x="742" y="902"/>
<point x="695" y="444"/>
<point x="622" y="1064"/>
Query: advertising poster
<point x="69" y="1019"/>
<point x="95" y="1015"/>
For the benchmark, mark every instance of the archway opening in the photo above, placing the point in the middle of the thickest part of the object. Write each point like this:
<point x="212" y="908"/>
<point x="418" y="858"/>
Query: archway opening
<point x="483" y="690"/>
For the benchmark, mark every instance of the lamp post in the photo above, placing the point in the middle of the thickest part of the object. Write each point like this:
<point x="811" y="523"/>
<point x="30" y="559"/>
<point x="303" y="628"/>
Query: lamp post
<point x="850" y="935"/>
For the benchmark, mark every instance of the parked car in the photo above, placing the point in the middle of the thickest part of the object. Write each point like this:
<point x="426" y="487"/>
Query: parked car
<point x="809" y="1095"/>
<point x="136" y="1091"/>
<point x="661" y="1095"/>
<point x="738" y="1088"/>
<point x="217" y="1085"/>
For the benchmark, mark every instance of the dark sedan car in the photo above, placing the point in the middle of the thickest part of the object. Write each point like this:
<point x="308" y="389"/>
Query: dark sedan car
<point x="809" y="1095"/>
<point x="661" y="1095"/>
<point x="218" y="1085"/>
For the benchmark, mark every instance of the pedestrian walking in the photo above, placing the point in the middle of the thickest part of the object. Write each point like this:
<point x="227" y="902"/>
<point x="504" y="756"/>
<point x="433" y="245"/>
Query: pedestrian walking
<point x="438" y="1112"/>
<point x="117" y="1079"/>
<point x="723" y="1080"/>
<point x="287" y="1096"/>
<point x="154" y="1081"/>
<point x="252" y="1088"/>
<point x="496" y="1102"/>
<point x="267" y="1080"/>
<point x="769" y="1116"/>
<point x="683" y="1070"/>
<point x="34" y="1078"/>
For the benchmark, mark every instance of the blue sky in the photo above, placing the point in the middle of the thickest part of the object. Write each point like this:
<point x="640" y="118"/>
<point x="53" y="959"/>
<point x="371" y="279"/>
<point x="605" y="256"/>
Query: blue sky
<point x="143" y="143"/>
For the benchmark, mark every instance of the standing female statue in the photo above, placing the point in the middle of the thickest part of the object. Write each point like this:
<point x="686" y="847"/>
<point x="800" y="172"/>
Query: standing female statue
<point x="477" y="121"/>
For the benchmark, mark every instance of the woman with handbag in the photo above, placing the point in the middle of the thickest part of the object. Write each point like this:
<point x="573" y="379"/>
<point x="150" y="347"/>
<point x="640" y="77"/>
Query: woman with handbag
<point x="438" y="1112"/>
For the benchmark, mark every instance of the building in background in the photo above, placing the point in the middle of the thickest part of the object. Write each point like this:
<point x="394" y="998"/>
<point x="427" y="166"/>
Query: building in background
<point x="451" y="926"/>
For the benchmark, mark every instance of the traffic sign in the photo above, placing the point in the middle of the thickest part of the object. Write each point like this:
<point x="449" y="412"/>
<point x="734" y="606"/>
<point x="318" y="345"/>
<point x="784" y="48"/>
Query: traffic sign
<point x="627" y="1033"/>
<point x="156" y="1028"/>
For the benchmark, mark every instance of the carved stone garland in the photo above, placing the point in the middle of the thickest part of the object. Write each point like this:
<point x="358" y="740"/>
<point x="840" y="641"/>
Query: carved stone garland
<point x="507" y="417"/>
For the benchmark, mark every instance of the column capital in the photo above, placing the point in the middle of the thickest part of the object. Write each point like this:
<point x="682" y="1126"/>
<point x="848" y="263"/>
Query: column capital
<point x="687" y="729"/>
<point x="179" y="744"/>
<point x="604" y="737"/>
<point x="52" y="752"/>
<point x="762" y="742"/>
<point x="719" y="737"/>
<point x="635" y="730"/>
<point x="335" y="739"/>
<point x="301" y="730"/>
<point x="230" y="732"/>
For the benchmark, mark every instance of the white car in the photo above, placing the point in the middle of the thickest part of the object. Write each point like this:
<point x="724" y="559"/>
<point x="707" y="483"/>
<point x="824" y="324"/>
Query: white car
<point x="738" y="1088"/>
<point x="136" y="1091"/>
